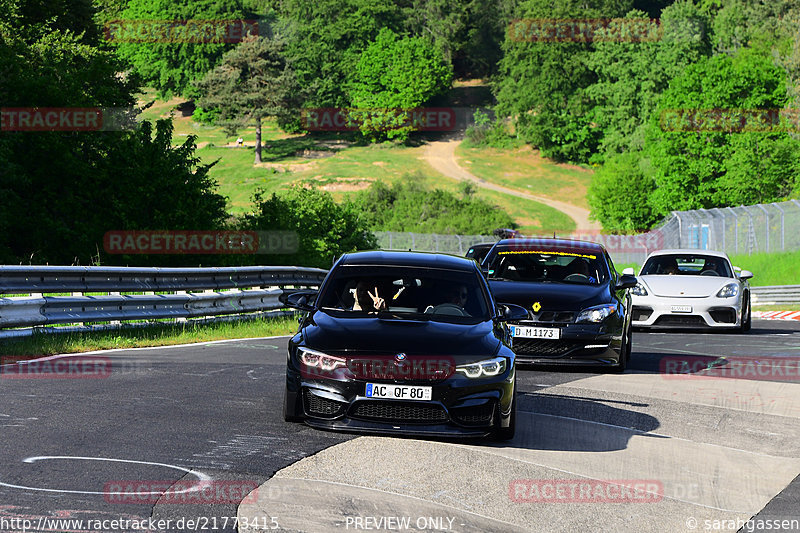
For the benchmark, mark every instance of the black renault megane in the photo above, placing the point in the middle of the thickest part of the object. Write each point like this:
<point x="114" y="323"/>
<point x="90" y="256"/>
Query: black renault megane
<point x="578" y="306"/>
<point x="403" y="342"/>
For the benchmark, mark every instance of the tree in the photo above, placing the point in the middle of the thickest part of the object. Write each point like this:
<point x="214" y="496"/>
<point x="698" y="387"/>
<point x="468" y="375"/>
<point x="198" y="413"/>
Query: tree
<point x="253" y="81"/>
<point x="632" y="74"/>
<point x="325" y="229"/>
<point x="619" y="194"/>
<point x="395" y="74"/>
<point x="168" y="55"/>
<point x="63" y="190"/>
<point x="325" y="38"/>
<point x="691" y="161"/>
<point x="542" y="83"/>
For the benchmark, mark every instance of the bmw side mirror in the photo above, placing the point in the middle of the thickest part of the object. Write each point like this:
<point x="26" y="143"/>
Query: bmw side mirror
<point x="511" y="312"/>
<point x="745" y="274"/>
<point x="626" y="281"/>
<point x="302" y="300"/>
<point x="628" y="271"/>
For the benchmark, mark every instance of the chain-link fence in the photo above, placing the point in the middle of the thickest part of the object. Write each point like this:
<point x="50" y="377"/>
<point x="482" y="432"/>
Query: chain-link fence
<point x="747" y="230"/>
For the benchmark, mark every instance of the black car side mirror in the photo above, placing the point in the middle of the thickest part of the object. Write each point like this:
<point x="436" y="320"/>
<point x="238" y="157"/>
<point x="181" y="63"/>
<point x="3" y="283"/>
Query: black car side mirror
<point x="626" y="281"/>
<point x="302" y="300"/>
<point x="508" y="312"/>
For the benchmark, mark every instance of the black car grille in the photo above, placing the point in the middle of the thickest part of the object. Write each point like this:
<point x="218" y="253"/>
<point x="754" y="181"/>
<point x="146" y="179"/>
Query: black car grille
<point x="477" y="416"/>
<point x="319" y="406"/>
<point x="544" y="348"/>
<point x="726" y="315"/>
<point x="554" y="316"/>
<point x="641" y="313"/>
<point x="398" y="412"/>
<point x="680" y="320"/>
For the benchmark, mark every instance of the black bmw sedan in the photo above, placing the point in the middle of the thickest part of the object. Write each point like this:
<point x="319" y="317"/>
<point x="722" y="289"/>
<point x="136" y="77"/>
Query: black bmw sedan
<point x="403" y="342"/>
<point x="578" y="307"/>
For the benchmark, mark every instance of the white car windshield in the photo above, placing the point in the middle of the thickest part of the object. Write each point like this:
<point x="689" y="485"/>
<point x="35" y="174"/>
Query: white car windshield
<point x="687" y="265"/>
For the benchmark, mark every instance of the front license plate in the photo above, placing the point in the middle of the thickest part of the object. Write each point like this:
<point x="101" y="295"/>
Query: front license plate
<point x="398" y="392"/>
<point x="681" y="308"/>
<point x="535" y="333"/>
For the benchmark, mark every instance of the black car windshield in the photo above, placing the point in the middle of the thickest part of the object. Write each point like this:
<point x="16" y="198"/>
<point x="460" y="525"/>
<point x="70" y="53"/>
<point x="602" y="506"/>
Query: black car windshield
<point x="687" y="265"/>
<point x="406" y="292"/>
<point x="547" y="266"/>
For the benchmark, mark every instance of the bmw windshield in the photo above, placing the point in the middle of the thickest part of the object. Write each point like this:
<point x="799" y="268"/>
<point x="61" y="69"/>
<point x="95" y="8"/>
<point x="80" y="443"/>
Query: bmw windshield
<point x="404" y="292"/>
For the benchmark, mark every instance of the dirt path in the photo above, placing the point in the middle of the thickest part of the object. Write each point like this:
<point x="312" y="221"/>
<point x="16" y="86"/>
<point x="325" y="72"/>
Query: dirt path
<point x="441" y="155"/>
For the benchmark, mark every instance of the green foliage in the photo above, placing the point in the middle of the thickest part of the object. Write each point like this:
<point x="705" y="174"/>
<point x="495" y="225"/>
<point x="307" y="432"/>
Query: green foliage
<point x="409" y="206"/>
<point x="325" y="39"/>
<point x="619" y="194"/>
<point x="485" y="132"/>
<point x="702" y="169"/>
<point x="395" y="74"/>
<point x="63" y="190"/>
<point x="325" y="229"/>
<point x="542" y="85"/>
<point x="632" y="74"/>
<point x="172" y="64"/>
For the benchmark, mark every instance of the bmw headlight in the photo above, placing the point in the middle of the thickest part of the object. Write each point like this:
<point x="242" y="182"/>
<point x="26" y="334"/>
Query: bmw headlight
<point x="728" y="291"/>
<point x="598" y="313"/>
<point x="490" y="367"/>
<point x="639" y="290"/>
<point x="315" y="359"/>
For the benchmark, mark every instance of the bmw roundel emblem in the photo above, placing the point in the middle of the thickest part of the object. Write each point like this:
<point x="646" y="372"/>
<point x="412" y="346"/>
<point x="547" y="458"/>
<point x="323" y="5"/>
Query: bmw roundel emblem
<point x="400" y="357"/>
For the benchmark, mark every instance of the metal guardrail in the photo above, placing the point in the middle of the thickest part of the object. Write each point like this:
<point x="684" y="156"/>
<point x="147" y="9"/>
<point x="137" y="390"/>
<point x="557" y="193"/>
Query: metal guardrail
<point x="222" y="294"/>
<point x="775" y="295"/>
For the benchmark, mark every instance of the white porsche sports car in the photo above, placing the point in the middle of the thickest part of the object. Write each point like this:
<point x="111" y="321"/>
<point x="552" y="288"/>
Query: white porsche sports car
<point x="691" y="289"/>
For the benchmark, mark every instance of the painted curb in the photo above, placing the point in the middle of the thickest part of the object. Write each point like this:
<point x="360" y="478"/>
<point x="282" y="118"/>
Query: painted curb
<point x="777" y="315"/>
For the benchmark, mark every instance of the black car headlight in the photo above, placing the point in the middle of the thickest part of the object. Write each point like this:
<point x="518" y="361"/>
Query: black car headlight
<point x="490" y="367"/>
<point x="728" y="291"/>
<point x="595" y="314"/>
<point x="314" y="359"/>
<point x="639" y="290"/>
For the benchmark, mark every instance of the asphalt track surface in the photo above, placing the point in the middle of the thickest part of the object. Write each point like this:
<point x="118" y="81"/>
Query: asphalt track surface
<point x="707" y="454"/>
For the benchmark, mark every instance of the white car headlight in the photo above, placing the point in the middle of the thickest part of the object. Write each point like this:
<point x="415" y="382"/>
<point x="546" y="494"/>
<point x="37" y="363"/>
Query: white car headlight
<point x="728" y="291"/>
<point x="490" y="367"/>
<point x="639" y="290"/>
<point x="323" y="361"/>
<point x="597" y="313"/>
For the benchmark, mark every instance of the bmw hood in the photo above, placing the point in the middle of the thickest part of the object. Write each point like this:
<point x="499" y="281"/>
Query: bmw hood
<point x="551" y="296"/>
<point x="372" y="335"/>
<point x="684" y="286"/>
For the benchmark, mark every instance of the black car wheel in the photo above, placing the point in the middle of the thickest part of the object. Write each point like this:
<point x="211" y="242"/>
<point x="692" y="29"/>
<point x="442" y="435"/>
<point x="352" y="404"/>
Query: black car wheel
<point x="747" y="319"/>
<point x="507" y="433"/>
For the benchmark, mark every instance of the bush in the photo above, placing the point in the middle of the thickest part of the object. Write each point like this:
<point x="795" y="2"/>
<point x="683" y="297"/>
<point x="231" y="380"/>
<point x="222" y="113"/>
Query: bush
<point x="324" y="228"/>
<point x="410" y="206"/>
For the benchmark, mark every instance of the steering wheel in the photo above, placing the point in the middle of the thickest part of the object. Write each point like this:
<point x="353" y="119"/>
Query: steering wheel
<point x="446" y="309"/>
<point x="709" y="273"/>
<point x="577" y="277"/>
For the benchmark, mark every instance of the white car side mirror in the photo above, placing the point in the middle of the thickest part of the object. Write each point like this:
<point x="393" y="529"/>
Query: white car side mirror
<point x="629" y="271"/>
<point x="745" y="274"/>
